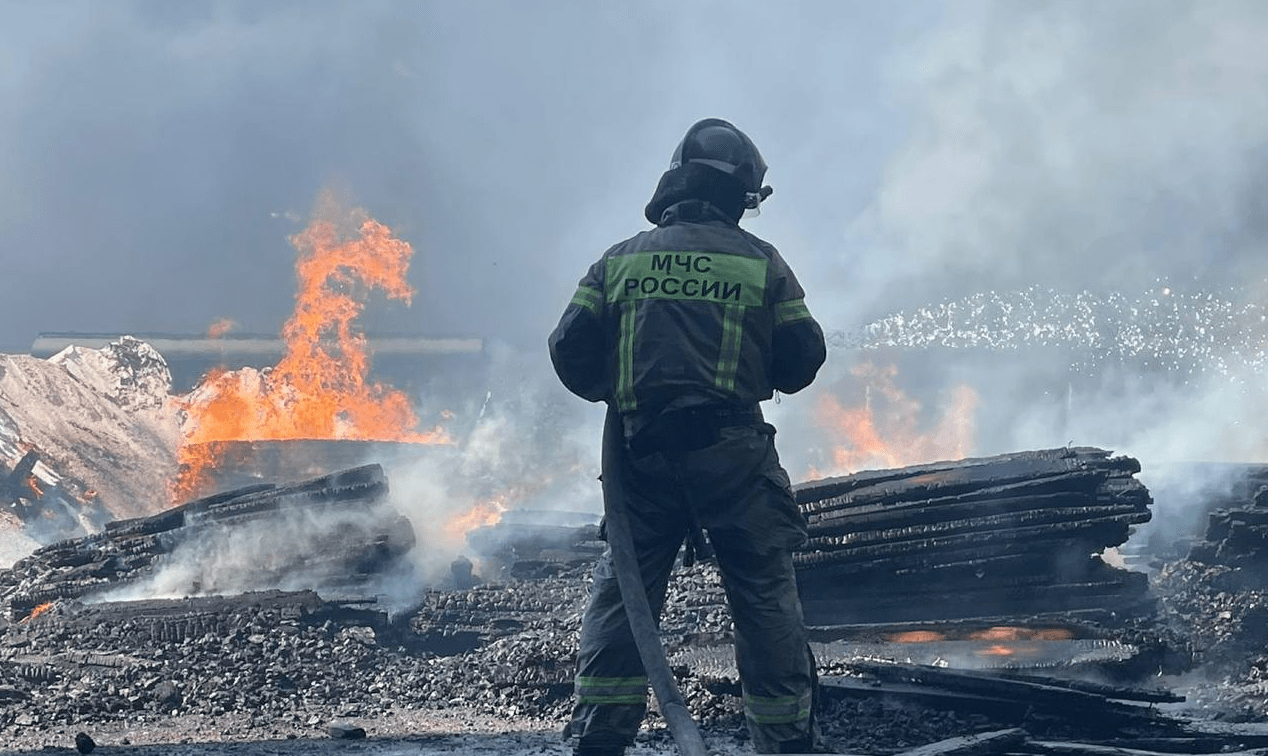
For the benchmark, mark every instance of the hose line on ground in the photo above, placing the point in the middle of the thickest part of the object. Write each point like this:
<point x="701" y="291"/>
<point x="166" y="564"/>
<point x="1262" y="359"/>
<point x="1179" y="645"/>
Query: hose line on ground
<point x="634" y="595"/>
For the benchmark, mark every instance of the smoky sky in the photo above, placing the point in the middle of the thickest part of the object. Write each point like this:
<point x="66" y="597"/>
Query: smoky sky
<point x="155" y="156"/>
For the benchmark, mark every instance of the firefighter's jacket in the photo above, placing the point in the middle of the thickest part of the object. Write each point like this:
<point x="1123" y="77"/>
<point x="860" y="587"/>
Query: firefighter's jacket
<point x="694" y="311"/>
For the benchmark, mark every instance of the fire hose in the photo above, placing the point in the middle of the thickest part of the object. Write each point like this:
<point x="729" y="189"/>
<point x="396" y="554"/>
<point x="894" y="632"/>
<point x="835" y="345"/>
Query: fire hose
<point x="629" y="579"/>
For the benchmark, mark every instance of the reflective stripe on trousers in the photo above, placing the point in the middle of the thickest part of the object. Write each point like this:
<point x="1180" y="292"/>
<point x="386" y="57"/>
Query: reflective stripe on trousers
<point x="739" y="494"/>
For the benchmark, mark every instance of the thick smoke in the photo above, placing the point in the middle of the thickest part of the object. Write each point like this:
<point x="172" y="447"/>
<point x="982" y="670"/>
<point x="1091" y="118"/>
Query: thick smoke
<point x="155" y="155"/>
<point x="1101" y="160"/>
<point x="526" y="446"/>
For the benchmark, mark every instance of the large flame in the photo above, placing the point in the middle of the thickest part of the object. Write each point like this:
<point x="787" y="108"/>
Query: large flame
<point x="886" y="429"/>
<point x="320" y="388"/>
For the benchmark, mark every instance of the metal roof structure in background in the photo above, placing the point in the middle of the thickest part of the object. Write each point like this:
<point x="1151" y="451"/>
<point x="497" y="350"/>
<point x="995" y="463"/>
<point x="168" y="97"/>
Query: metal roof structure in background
<point x="402" y="359"/>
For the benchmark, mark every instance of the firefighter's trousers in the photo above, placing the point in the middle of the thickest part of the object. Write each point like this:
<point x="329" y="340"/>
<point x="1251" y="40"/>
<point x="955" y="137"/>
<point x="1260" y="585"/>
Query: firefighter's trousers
<point x="738" y="492"/>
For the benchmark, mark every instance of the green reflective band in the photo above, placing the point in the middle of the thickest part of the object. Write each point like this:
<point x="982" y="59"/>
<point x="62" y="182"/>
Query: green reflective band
<point x="782" y="710"/>
<point x="591" y="299"/>
<point x="603" y="682"/>
<point x="729" y="354"/>
<point x="612" y="700"/>
<point x="625" y="400"/>
<point x="687" y="276"/>
<point x="791" y="311"/>
<point x="619" y="691"/>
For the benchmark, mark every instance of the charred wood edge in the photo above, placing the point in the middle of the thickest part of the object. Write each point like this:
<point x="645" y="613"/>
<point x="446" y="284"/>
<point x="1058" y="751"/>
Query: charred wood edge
<point x="877" y="588"/>
<point x="1091" y="716"/>
<point x="925" y="573"/>
<point x="45" y="668"/>
<point x="1092" y="749"/>
<point x="1040" y="689"/>
<point x="1025" y="461"/>
<point x="1018" y="557"/>
<point x="967" y="473"/>
<point x="1105" y="531"/>
<point x="144" y="539"/>
<point x="850" y="534"/>
<point x="171" y="618"/>
<point x="1033" y="597"/>
<point x="367" y="481"/>
<point x="1077" y="483"/>
<point x="950" y="508"/>
<point x="997" y="741"/>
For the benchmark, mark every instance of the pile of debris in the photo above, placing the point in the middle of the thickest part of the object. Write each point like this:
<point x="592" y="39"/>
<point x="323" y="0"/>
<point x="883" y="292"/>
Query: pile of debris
<point x="1237" y="536"/>
<point x="75" y="648"/>
<point x="332" y="533"/>
<point x="1013" y="534"/>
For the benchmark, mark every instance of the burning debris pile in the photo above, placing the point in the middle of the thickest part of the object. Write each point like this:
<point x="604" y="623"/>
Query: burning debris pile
<point x="1013" y="534"/>
<point x="328" y="533"/>
<point x="77" y="650"/>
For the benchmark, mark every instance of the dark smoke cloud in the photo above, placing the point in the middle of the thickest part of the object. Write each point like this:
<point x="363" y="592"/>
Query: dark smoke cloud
<point x="156" y="155"/>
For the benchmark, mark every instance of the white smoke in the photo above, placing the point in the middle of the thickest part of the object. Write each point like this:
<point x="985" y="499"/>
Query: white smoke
<point x="1091" y="151"/>
<point x="522" y="446"/>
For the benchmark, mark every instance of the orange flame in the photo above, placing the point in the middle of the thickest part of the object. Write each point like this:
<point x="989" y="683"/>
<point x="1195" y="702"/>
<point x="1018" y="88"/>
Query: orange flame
<point x="916" y="636"/>
<point x="885" y="430"/>
<point x="37" y="611"/>
<point x="483" y="513"/>
<point x="1022" y="633"/>
<point x="33" y="483"/>
<point x="220" y="328"/>
<point x="320" y="387"/>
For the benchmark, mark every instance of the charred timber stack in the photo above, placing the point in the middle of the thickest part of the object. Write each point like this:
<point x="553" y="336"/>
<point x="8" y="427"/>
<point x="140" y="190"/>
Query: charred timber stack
<point x="1238" y="537"/>
<point x="330" y="531"/>
<point x="997" y="536"/>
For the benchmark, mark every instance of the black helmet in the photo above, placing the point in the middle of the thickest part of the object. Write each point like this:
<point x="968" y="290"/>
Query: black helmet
<point x="718" y="144"/>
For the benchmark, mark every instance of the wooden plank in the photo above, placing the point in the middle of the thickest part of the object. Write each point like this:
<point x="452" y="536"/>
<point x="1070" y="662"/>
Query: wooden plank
<point x="1056" y="748"/>
<point x="997" y="741"/>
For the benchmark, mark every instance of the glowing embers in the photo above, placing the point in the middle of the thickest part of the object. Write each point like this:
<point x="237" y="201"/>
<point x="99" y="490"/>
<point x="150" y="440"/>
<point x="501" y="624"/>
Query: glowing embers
<point x="1030" y="644"/>
<point x="999" y="645"/>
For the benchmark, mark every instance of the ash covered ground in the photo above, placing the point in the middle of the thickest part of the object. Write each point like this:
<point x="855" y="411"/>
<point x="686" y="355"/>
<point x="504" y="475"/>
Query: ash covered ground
<point x="485" y="668"/>
<point x="271" y="674"/>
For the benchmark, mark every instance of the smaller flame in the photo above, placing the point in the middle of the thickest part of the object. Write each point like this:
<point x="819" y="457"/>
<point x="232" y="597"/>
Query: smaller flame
<point x="220" y="328"/>
<point x="997" y="650"/>
<point x="916" y="636"/>
<point x="37" y="611"/>
<point x="1021" y="633"/>
<point x="33" y="483"/>
<point x="482" y="514"/>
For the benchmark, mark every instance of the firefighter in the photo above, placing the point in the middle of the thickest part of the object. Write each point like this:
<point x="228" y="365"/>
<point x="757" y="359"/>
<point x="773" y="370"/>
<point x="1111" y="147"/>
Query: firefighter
<point x="686" y="328"/>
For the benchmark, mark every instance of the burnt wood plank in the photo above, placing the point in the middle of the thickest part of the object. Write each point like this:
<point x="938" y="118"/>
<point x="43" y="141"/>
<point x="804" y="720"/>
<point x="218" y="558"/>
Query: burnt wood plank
<point x="997" y="741"/>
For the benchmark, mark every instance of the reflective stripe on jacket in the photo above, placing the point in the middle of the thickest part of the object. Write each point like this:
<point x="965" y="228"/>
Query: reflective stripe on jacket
<point x="695" y="310"/>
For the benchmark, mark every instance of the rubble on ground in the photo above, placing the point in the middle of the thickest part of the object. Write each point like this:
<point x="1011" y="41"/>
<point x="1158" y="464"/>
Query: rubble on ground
<point x="948" y="600"/>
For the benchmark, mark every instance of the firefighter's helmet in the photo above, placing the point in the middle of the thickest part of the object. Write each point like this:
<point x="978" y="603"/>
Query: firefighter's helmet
<point x="720" y="145"/>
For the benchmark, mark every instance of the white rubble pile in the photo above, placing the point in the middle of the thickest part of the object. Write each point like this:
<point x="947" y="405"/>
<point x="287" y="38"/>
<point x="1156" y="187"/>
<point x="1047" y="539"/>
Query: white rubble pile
<point x="101" y="422"/>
